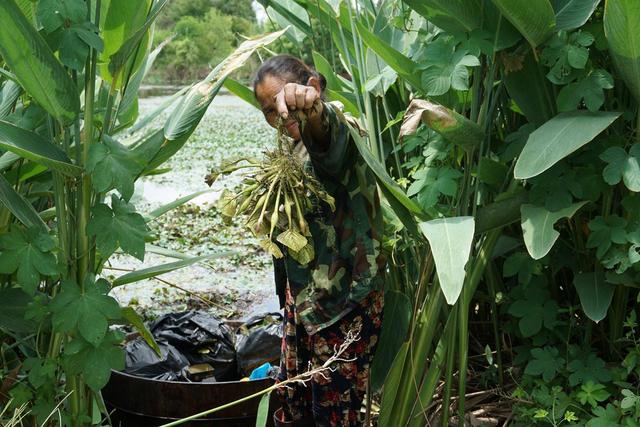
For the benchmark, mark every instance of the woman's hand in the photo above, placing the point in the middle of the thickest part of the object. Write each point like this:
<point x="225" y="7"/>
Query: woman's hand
<point x="297" y="97"/>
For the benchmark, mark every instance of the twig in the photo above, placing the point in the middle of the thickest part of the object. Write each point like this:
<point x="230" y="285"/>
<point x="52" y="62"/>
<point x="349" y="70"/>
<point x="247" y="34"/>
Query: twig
<point x="303" y="378"/>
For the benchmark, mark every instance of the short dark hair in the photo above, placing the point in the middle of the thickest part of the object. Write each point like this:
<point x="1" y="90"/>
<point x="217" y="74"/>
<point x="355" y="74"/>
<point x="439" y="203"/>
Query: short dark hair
<point x="289" y="68"/>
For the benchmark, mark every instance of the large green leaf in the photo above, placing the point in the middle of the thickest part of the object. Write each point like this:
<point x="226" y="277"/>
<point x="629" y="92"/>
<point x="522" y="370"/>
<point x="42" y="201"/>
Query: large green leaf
<point x="558" y="138"/>
<point x="534" y="19"/>
<point x="123" y="18"/>
<point x="595" y="294"/>
<point x="295" y="14"/>
<point x="36" y="68"/>
<point x="241" y="91"/>
<point x="571" y="14"/>
<point x="392" y="386"/>
<point x="130" y="315"/>
<point x="450" y="240"/>
<point x="401" y="64"/>
<point x="147" y="273"/>
<point x="537" y="227"/>
<point x="32" y="146"/>
<point x="450" y="15"/>
<point x="622" y="29"/>
<point x="187" y="115"/>
<point x="263" y="410"/>
<point x="395" y="326"/>
<point x="19" y="206"/>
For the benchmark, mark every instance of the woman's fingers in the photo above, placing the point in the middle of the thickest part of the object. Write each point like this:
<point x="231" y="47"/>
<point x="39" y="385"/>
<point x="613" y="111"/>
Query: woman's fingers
<point x="295" y="97"/>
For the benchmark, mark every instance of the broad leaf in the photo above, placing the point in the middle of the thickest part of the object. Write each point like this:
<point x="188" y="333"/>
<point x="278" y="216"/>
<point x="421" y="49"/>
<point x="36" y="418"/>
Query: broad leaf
<point x="537" y="227"/>
<point x="112" y="166"/>
<point x="571" y="14"/>
<point x="558" y="138"/>
<point x="19" y="206"/>
<point x="622" y="29"/>
<point x="95" y="362"/>
<point x="450" y="15"/>
<point x="622" y="166"/>
<point x="450" y="240"/>
<point x="395" y="326"/>
<point x="595" y="294"/>
<point x="86" y="311"/>
<point x="392" y="386"/>
<point x="9" y="94"/>
<point x="534" y="19"/>
<point x="146" y="273"/>
<point x="37" y="69"/>
<point x="589" y="89"/>
<point x="29" y="253"/>
<point x="32" y="146"/>
<point x="118" y="226"/>
<point x="546" y="362"/>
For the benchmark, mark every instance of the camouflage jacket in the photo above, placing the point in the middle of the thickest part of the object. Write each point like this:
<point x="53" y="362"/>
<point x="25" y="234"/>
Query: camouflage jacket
<point x="348" y="262"/>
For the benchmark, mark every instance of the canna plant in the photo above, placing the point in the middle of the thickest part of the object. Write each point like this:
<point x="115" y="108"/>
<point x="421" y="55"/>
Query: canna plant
<point x="73" y="147"/>
<point x="517" y="153"/>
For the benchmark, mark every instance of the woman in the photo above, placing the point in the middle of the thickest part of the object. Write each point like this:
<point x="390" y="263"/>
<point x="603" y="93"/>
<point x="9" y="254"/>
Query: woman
<point x="340" y="290"/>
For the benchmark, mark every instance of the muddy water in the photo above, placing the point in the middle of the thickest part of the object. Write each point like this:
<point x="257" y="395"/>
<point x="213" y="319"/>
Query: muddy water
<point x="236" y="285"/>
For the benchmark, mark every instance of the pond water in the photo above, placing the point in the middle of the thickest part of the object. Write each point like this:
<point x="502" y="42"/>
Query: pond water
<point x="233" y="286"/>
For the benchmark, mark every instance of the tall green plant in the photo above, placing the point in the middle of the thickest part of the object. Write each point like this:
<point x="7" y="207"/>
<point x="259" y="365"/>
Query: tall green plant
<point x="66" y="187"/>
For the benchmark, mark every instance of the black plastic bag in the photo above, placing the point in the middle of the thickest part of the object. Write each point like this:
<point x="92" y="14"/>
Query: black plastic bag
<point x="258" y="341"/>
<point x="142" y="361"/>
<point x="201" y="338"/>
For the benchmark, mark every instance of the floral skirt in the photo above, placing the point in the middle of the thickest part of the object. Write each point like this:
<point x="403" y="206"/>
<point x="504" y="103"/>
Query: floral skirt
<point x="333" y="397"/>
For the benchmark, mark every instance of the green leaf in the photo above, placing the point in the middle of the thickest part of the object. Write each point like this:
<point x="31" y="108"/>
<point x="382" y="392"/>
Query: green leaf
<point x="263" y="410"/>
<point x="392" y="386"/>
<point x="622" y="29"/>
<point x="450" y="240"/>
<point x="125" y="31"/>
<point x="605" y="232"/>
<point x="172" y="205"/>
<point x="546" y="363"/>
<point x="9" y="94"/>
<point x="13" y="307"/>
<point x="537" y="227"/>
<point x="535" y="20"/>
<point x="54" y="14"/>
<point x="242" y="92"/>
<point x="146" y="273"/>
<point x="130" y="315"/>
<point x="94" y="362"/>
<point x="19" y="206"/>
<point x="32" y="146"/>
<point x="112" y="166"/>
<point x="395" y="326"/>
<point x="450" y="15"/>
<point x="589" y="368"/>
<point x="432" y="182"/>
<point x="604" y="417"/>
<point x="85" y="311"/>
<point x="401" y="64"/>
<point x="558" y="138"/>
<point x="590" y="89"/>
<point x="595" y="294"/>
<point x="447" y="67"/>
<point x="622" y="166"/>
<point x="118" y="226"/>
<point x="571" y="14"/>
<point x="77" y="41"/>
<point x="37" y="69"/>
<point x="29" y="253"/>
<point x="535" y="310"/>
<point x="592" y="393"/>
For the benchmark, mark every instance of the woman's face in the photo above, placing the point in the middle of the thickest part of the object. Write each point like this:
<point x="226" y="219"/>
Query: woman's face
<point x="266" y="92"/>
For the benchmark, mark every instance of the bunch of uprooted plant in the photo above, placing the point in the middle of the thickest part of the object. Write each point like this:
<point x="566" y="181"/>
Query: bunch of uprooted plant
<point x="276" y="194"/>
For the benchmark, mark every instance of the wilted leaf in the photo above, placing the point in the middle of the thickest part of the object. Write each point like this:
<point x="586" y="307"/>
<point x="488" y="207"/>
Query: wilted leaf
<point x="304" y="256"/>
<point x="292" y="239"/>
<point x="271" y="248"/>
